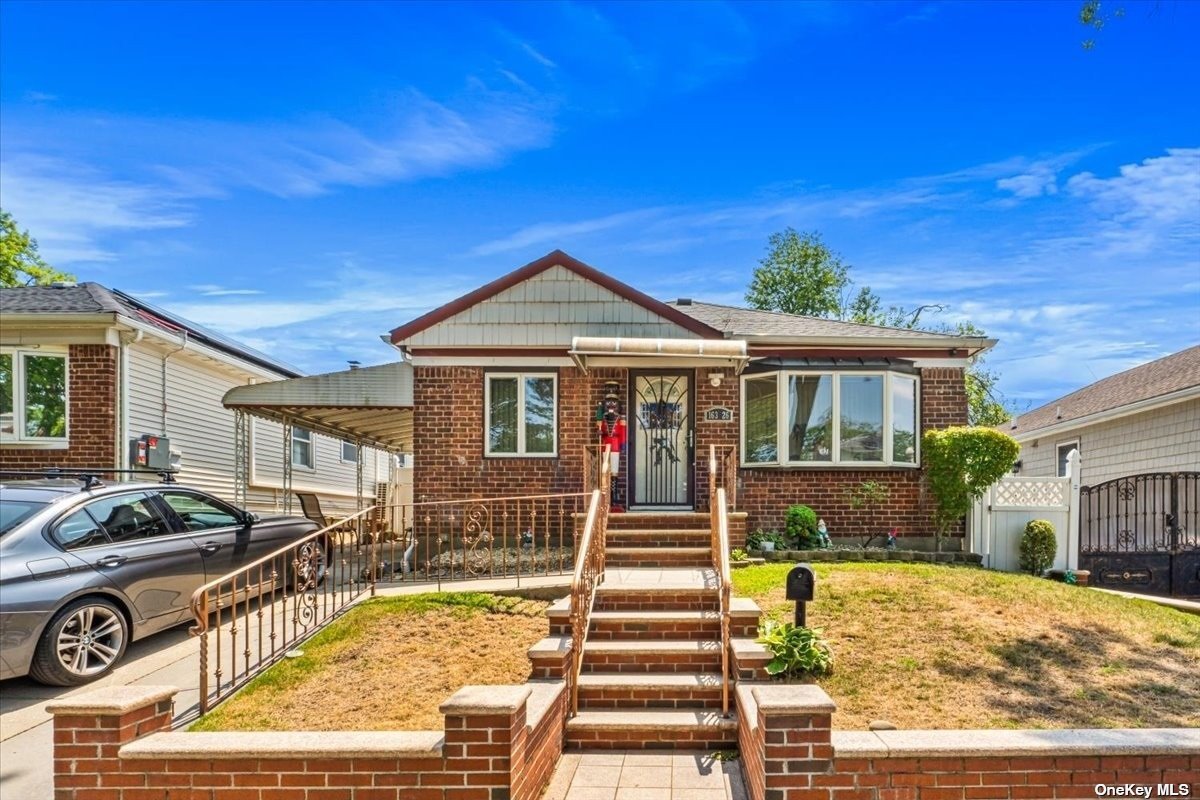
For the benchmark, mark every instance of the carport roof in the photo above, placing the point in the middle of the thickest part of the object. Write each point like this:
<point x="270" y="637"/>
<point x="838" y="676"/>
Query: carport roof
<point x="373" y="405"/>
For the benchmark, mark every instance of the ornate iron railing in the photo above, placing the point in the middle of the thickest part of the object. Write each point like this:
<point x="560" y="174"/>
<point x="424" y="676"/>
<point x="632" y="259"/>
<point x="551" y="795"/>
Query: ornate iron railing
<point x="491" y="537"/>
<point x="251" y="618"/>
<point x="589" y="572"/>
<point x="719" y="526"/>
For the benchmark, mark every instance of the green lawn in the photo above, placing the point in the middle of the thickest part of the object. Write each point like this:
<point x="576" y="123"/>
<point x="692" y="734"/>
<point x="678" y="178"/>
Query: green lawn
<point x="930" y="646"/>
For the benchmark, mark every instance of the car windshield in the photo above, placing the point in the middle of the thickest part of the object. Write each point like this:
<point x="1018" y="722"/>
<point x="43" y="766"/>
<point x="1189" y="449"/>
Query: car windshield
<point x="14" y="512"/>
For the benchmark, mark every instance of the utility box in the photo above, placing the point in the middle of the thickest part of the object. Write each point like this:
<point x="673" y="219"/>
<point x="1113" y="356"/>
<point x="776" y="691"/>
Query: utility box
<point x="150" y="452"/>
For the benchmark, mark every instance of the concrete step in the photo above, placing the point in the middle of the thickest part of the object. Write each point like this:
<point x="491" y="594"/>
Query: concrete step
<point x="665" y="589"/>
<point x="633" y="691"/>
<point x="657" y="556"/>
<point x="652" y="729"/>
<point x="659" y="624"/>
<point x="662" y="539"/>
<point x="644" y="656"/>
<point x="658" y="520"/>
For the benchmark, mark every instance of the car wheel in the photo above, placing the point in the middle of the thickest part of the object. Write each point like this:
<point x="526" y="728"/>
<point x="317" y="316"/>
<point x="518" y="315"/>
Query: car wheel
<point x="83" y="642"/>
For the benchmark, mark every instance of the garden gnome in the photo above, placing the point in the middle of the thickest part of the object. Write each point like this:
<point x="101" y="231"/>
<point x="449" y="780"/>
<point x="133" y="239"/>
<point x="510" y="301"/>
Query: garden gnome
<point x="823" y="534"/>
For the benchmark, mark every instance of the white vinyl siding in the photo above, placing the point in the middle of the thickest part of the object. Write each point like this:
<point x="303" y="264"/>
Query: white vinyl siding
<point x="546" y="311"/>
<point x="813" y="418"/>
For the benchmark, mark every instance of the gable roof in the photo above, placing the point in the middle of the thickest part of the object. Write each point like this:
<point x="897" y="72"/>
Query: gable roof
<point x="1169" y="375"/>
<point x="557" y="258"/>
<point x="93" y="298"/>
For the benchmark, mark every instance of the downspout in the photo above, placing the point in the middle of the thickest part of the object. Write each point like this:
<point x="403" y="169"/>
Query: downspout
<point x="182" y="345"/>
<point x="124" y="339"/>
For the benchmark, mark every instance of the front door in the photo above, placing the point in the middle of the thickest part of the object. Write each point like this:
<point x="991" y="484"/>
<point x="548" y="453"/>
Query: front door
<point x="661" y="450"/>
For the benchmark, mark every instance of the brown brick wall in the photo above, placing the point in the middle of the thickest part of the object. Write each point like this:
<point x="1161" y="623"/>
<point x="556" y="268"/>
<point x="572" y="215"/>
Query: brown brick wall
<point x="92" y="414"/>
<point x="450" y="462"/>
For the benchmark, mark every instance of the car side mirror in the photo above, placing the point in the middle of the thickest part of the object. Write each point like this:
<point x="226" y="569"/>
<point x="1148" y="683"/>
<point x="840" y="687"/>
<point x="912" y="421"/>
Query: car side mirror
<point x="250" y="518"/>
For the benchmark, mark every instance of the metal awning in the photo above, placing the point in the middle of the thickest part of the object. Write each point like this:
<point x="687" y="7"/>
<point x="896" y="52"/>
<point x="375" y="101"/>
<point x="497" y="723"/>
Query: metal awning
<point x="611" y="351"/>
<point x="371" y="405"/>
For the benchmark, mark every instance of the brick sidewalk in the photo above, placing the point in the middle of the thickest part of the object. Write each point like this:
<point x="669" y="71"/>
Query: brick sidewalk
<point x="645" y="776"/>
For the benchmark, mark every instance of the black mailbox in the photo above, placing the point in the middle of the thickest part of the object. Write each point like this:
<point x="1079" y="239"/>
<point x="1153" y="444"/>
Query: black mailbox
<point x="801" y="584"/>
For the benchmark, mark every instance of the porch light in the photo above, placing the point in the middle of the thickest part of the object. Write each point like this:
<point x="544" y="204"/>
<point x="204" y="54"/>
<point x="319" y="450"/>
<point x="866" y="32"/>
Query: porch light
<point x="715" y="378"/>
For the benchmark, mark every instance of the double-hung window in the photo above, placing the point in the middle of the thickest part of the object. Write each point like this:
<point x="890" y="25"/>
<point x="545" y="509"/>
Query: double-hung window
<point x="33" y="396"/>
<point x="302" y="448"/>
<point x="814" y="418"/>
<point x="521" y="414"/>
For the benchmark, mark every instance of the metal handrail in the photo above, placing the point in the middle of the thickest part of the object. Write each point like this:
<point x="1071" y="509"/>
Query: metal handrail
<point x="719" y="528"/>
<point x="589" y="572"/>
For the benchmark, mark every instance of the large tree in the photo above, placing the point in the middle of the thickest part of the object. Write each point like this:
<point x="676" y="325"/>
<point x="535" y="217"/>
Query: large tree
<point x="801" y="275"/>
<point x="20" y="262"/>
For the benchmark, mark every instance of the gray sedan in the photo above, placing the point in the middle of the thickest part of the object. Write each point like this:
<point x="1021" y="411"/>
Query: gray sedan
<point x="84" y="571"/>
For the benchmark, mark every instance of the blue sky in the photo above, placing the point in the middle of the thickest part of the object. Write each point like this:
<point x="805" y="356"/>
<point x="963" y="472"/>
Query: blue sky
<point x="306" y="176"/>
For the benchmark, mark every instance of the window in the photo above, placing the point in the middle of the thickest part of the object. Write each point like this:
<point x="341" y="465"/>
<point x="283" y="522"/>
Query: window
<point x="814" y="418"/>
<point x="1064" y="450"/>
<point x="79" y="530"/>
<point x="521" y="414"/>
<point x="33" y="396"/>
<point x="129" y="517"/>
<point x="200" y="513"/>
<point x="350" y="452"/>
<point x="302" y="448"/>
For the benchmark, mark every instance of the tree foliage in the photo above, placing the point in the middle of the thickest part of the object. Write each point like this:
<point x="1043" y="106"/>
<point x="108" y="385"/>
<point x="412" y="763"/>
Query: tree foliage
<point x="801" y="275"/>
<point x="960" y="464"/>
<point x="20" y="262"/>
<point x="1092" y="16"/>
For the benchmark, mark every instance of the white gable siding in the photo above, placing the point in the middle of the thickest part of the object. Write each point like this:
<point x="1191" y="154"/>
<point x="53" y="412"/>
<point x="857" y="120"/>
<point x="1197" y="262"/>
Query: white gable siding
<point x="1161" y="440"/>
<point x="547" y="310"/>
<point x="202" y="429"/>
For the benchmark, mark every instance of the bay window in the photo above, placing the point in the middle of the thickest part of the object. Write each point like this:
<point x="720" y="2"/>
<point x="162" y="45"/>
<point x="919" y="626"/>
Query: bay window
<point x="521" y="414"/>
<point x="33" y="396"/>
<point x="830" y="418"/>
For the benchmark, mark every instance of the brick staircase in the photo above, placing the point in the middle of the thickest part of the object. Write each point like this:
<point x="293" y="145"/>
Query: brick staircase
<point x="651" y="670"/>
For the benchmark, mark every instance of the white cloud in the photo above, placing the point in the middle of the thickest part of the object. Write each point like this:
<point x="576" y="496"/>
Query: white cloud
<point x="1041" y="180"/>
<point x="1163" y="190"/>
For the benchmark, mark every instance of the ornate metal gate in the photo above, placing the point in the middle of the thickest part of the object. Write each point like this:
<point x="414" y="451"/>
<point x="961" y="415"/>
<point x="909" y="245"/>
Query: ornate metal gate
<point x="661" y="446"/>
<point x="1141" y="533"/>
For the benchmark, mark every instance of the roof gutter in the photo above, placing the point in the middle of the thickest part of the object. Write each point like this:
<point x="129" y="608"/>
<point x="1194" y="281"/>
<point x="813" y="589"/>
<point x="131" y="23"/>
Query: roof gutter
<point x="976" y="344"/>
<point x="1108" y="415"/>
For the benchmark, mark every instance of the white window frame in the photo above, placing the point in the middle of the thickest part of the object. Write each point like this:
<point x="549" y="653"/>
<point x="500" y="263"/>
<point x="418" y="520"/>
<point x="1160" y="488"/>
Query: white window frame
<point x="342" y="445"/>
<point x="18" y="437"/>
<point x="782" y="439"/>
<point x="1058" y="446"/>
<point x="520" y="377"/>
<point x="312" y="448"/>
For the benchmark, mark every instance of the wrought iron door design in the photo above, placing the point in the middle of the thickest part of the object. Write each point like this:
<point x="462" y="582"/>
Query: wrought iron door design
<point x="1141" y="533"/>
<point x="662" y="439"/>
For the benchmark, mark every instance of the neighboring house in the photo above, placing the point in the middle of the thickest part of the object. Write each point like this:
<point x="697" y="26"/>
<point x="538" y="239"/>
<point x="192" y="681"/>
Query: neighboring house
<point x="86" y="371"/>
<point x="1145" y="419"/>
<point x="508" y="379"/>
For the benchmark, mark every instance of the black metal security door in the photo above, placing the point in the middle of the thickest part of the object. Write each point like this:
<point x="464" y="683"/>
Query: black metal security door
<point x="1142" y="533"/>
<point x="661" y="446"/>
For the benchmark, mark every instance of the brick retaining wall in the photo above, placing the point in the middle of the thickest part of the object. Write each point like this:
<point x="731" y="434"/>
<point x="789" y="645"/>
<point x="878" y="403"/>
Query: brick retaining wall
<point x="790" y="753"/>
<point x="499" y="743"/>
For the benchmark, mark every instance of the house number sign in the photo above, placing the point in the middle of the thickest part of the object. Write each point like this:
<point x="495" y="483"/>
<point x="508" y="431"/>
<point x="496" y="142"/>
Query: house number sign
<point x="718" y="414"/>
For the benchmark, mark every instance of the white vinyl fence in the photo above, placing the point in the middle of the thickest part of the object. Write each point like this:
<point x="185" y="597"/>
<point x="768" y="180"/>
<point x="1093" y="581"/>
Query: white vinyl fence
<point x="998" y="518"/>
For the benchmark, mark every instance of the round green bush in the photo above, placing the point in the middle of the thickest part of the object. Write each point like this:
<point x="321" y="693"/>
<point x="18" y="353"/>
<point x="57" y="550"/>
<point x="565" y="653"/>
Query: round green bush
<point x="801" y="525"/>
<point x="1038" y="545"/>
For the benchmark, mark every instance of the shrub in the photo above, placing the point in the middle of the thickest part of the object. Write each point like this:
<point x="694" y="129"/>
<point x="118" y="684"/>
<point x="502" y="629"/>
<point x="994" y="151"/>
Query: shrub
<point x="738" y="554"/>
<point x="796" y="652"/>
<point x="801" y="525"/>
<point x="1038" y="546"/>
<point x="960" y="464"/>
<point x="754" y="541"/>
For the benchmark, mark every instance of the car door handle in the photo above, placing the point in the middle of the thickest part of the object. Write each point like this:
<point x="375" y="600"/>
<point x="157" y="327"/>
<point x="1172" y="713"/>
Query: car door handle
<point x="208" y="548"/>
<point x="111" y="561"/>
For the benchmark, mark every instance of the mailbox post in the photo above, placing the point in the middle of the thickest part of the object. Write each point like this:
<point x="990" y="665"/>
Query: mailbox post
<point x="801" y="581"/>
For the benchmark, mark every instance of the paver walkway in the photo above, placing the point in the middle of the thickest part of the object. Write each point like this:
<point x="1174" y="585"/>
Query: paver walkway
<point x="645" y="776"/>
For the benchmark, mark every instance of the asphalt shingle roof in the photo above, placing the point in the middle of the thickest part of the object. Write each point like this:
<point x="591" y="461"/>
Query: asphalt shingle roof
<point x="736" y="321"/>
<point x="1169" y="374"/>
<point x="84" y="298"/>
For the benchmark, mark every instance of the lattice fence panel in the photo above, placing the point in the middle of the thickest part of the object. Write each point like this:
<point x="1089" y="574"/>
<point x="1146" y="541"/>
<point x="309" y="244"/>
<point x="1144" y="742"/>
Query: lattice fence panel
<point x="1031" y="492"/>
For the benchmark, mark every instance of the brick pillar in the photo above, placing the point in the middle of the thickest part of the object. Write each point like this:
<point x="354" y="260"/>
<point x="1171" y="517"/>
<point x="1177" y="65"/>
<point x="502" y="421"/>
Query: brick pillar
<point x="90" y="729"/>
<point x="485" y="741"/>
<point x="794" y="722"/>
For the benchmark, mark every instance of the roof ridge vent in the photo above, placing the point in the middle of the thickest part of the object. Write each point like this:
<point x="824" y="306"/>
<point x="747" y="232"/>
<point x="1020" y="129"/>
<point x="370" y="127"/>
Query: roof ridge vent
<point x="683" y="301"/>
<point x="63" y="285"/>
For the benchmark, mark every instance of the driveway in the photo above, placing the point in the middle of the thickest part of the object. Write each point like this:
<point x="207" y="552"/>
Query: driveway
<point x="26" y="732"/>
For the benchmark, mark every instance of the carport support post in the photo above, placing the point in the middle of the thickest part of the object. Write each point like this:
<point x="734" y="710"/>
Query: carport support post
<point x="287" y="465"/>
<point x="241" y="458"/>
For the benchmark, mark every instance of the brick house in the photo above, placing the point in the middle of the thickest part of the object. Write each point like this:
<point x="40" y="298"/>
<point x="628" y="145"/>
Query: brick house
<point x="85" y="370"/>
<point x="508" y="379"/>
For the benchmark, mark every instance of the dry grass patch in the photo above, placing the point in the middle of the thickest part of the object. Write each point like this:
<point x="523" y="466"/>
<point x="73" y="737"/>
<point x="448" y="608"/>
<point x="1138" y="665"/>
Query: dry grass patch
<point x="930" y="646"/>
<point x="388" y="665"/>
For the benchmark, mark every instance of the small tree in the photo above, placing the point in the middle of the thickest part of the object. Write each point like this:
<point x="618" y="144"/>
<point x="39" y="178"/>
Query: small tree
<point x="960" y="464"/>
<point x="801" y="524"/>
<point x="20" y="262"/>
<point x="867" y="496"/>
<point x="1038" y="546"/>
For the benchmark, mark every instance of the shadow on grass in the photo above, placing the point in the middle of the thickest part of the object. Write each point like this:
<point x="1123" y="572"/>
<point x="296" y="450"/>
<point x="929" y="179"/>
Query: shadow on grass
<point x="1085" y="677"/>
